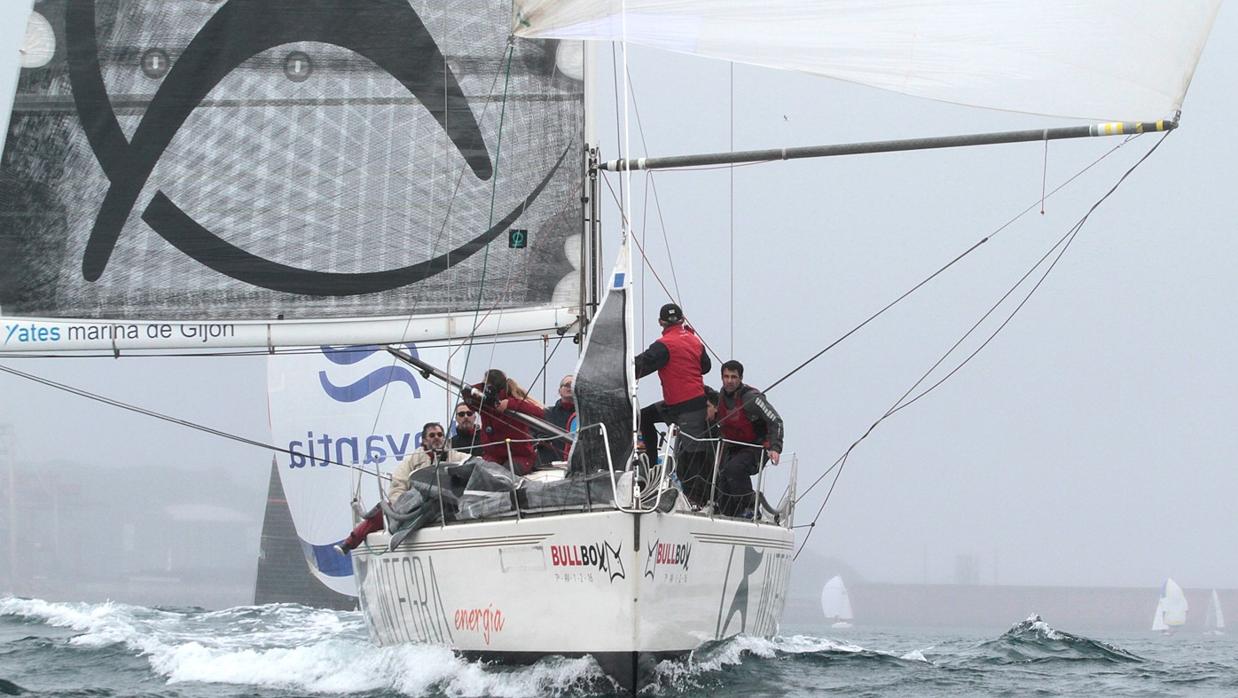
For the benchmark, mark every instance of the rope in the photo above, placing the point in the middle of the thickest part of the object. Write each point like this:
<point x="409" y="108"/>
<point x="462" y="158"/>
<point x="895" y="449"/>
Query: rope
<point x="1061" y="246"/>
<point x="494" y="186"/>
<point x="177" y="420"/>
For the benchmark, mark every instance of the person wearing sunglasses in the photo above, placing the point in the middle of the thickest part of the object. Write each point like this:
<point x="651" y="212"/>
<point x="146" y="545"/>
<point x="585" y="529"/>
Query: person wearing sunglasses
<point x="433" y="451"/>
<point x="467" y="436"/>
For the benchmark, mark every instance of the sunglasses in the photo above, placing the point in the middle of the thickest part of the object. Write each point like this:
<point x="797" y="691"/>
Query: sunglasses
<point x="464" y="413"/>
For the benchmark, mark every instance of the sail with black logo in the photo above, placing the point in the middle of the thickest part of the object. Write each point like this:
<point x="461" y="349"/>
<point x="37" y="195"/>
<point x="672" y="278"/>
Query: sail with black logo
<point x="258" y="174"/>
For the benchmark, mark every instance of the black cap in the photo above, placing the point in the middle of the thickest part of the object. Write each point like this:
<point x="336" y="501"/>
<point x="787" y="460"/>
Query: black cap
<point x="670" y="313"/>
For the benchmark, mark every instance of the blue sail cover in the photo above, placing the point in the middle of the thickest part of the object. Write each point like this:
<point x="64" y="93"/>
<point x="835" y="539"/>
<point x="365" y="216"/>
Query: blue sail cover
<point x="257" y="159"/>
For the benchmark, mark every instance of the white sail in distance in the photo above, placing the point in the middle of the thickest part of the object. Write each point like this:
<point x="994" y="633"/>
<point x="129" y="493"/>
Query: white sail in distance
<point x="1215" y="618"/>
<point x="1173" y="604"/>
<point x="1158" y="617"/>
<point x="1128" y="60"/>
<point x="835" y="601"/>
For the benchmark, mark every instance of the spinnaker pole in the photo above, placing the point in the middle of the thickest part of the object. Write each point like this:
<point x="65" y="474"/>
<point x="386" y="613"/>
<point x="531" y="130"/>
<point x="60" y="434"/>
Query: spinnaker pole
<point x="429" y="371"/>
<point x="1112" y="128"/>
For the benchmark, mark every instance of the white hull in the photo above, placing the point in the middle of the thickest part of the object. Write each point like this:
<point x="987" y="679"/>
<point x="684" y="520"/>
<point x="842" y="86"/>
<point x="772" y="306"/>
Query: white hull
<point x="623" y="587"/>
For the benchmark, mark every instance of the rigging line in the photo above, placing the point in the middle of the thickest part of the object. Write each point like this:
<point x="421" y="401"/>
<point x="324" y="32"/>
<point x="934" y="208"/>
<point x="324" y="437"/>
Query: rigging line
<point x="657" y="277"/>
<point x="732" y="210"/>
<point x="993" y="234"/>
<point x="494" y="185"/>
<point x="545" y="364"/>
<point x="651" y="182"/>
<point x="1065" y="239"/>
<point x="1064" y="243"/>
<point x="898" y="404"/>
<point x="1072" y="235"/>
<point x="176" y="420"/>
<point x="666" y="241"/>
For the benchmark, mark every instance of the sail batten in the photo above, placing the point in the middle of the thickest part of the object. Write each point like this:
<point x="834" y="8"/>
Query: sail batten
<point x="1128" y="60"/>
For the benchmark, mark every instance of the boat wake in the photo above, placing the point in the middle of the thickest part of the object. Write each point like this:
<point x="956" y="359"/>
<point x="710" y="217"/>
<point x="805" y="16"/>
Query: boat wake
<point x="1033" y="640"/>
<point x="288" y="647"/>
<point x="292" y="647"/>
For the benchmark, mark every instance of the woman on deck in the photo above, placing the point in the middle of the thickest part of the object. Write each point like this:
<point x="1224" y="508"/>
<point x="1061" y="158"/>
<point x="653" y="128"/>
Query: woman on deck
<point x="501" y="396"/>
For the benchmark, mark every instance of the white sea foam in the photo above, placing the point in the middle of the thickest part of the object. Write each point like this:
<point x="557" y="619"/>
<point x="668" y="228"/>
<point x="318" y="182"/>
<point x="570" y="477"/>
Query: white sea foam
<point x="917" y="656"/>
<point x="293" y="648"/>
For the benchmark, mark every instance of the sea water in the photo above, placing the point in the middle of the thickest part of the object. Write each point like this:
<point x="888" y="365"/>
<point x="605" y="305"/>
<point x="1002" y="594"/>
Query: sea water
<point x="110" y="649"/>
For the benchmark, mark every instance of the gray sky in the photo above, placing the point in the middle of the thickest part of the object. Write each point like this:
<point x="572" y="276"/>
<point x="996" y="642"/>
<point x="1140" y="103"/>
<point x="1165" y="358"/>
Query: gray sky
<point x="1089" y="444"/>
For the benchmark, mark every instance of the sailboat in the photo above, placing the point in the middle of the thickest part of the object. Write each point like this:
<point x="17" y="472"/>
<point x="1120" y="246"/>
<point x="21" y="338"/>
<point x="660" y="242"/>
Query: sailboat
<point x="1171" y="608"/>
<point x="322" y="179"/>
<point x="1214" y="618"/>
<point x="836" y="603"/>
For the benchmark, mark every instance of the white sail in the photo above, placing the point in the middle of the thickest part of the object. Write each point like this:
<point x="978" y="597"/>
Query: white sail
<point x="1215" y="618"/>
<point x="1158" y="617"/>
<point x="1173" y="604"/>
<point x="1106" y="59"/>
<point x="835" y="601"/>
<point x="341" y="412"/>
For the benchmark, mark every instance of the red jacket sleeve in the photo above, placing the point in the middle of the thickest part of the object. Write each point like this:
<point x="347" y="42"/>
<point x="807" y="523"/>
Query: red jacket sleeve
<point x="526" y="406"/>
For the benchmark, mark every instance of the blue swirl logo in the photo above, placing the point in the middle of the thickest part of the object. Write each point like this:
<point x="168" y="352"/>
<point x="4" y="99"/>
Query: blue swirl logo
<point x="370" y="383"/>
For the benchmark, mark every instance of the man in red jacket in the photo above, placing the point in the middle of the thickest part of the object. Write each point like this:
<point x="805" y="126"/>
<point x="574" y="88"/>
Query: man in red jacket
<point x="680" y="359"/>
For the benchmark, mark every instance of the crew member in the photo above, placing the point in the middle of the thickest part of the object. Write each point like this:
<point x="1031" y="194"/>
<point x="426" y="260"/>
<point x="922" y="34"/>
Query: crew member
<point x="749" y="425"/>
<point x="560" y="415"/>
<point x="467" y="438"/>
<point x="433" y="451"/>
<point x="681" y="362"/>
<point x="503" y="433"/>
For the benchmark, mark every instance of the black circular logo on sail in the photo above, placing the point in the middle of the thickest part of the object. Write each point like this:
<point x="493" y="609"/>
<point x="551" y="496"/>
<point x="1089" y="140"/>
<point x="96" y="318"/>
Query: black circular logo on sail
<point x="389" y="34"/>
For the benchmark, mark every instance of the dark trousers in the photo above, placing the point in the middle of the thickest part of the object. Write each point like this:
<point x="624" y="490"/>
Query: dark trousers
<point x="739" y="464"/>
<point x="696" y="470"/>
<point x="650" y="416"/>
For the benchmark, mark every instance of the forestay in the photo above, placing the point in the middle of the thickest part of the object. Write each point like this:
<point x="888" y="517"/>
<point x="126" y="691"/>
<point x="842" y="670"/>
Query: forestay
<point x="1125" y="60"/>
<point x="180" y="173"/>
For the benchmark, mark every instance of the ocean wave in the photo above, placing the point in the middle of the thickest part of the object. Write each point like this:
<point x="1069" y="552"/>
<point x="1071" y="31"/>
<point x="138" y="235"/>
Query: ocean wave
<point x="709" y="665"/>
<point x="1033" y="640"/>
<point x="296" y="648"/>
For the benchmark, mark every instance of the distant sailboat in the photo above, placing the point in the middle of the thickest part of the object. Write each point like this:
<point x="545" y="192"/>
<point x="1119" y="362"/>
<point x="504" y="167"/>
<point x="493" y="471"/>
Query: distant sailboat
<point x="836" y="603"/>
<point x="1171" y="608"/>
<point x="1214" y="620"/>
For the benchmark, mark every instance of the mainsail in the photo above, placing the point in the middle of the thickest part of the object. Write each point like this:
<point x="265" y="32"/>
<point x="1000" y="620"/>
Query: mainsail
<point x="1101" y="59"/>
<point x="180" y="173"/>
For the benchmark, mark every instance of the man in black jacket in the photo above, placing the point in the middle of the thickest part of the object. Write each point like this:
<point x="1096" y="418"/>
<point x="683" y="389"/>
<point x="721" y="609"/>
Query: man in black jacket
<point x="558" y="414"/>
<point x="750" y="426"/>
<point x="467" y="438"/>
